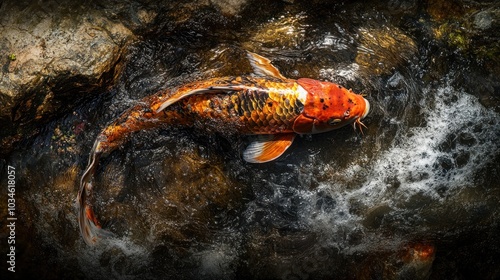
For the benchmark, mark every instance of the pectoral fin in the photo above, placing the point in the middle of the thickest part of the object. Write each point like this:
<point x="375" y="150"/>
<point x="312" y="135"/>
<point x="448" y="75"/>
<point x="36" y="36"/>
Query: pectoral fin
<point x="263" y="67"/>
<point x="268" y="148"/>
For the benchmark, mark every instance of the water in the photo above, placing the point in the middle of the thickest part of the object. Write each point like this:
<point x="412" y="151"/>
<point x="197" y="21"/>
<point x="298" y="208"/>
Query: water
<point x="413" y="196"/>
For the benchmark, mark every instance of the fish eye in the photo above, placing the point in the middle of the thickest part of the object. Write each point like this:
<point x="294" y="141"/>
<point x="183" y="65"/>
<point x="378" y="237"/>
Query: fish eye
<point x="334" y="121"/>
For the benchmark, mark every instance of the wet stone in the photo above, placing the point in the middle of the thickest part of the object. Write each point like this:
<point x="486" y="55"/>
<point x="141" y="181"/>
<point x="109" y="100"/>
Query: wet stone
<point x="413" y="196"/>
<point x="444" y="164"/>
<point x="483" y="20"/>
<point x="230" y="7"/>
<point x="375" y="216"/>
<point x="47" y="75"/>
<point x="462" y="158"/>
<point x="383" y="49"/>
<point x="467" y="139"/>
<point x="393" y="182"/>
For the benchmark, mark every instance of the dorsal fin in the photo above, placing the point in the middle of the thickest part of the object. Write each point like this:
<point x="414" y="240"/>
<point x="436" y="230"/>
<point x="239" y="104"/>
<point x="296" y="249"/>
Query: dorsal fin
<point x="263" y="67"/>
<point x="183" y="94"/>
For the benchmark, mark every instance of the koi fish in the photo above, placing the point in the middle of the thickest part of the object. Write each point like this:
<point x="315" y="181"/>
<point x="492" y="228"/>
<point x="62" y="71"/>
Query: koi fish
<point x="265" y="104"/>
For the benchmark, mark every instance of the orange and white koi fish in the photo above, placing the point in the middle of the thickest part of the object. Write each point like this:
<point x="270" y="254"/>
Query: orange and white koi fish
<point x="265" y="104"/>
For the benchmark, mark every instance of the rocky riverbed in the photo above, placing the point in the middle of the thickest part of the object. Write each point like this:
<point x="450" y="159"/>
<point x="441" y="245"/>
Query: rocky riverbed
<point x="416" y="196"/>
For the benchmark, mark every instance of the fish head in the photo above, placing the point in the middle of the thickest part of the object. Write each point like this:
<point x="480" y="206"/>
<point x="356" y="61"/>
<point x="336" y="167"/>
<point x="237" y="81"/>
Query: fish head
<point x="328" y="106"/>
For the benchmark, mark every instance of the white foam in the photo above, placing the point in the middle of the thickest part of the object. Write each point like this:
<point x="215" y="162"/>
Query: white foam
<point x="413" y="160"/>
<point x="218" y="261"/>
<point x="124" y="250"/>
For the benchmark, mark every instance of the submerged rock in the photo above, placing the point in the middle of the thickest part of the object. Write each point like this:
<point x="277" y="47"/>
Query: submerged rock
<point x="230" y="7"/>
<point x="469" y="32"/>
<point x="383" y="49"/>
<point x="414" y="196"/>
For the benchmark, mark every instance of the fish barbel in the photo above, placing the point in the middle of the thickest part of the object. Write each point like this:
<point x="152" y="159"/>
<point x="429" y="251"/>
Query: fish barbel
<point x="265" y="104"/>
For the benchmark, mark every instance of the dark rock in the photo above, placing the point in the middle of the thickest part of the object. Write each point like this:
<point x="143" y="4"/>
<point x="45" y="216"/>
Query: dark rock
<point x="414" y="196"/>
<point x="54" y="55"/>
<point x="62" y="53"/>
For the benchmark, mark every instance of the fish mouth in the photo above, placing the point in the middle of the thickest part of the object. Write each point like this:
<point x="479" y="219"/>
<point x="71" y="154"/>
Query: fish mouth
<point x="367" y="108"/>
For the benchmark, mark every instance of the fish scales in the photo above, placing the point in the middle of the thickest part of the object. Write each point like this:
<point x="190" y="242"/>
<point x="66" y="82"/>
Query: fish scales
<point x="252" y="109"/>
<point x="256" y="106"/>
<point x="268" y="103"/>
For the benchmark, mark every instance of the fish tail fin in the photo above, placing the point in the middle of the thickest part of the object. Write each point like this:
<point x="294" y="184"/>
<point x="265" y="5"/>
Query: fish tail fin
<point x="90" y="228"/>
<point x="137" y="118"/>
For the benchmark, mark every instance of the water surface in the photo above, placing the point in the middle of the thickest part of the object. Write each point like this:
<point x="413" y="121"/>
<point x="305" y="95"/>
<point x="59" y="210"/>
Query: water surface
<point x="415" y="195"/>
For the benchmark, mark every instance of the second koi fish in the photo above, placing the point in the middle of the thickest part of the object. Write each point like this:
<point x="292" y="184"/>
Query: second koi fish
<point x="266" y="104"/>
